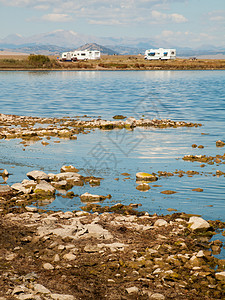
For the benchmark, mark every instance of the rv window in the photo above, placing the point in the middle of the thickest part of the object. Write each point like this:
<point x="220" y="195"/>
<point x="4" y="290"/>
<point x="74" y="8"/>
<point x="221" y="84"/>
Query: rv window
<point x="165" y="53"/>
<point x="151" y="54"/>
<point x="83" y="54"/>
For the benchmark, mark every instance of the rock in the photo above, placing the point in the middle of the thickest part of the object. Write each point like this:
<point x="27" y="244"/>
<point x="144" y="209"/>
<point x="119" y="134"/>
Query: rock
<point x="143" y="187"/>
<point x="5" y="173"/>
<point x="168" y="192"/>
<point x="160" y="222"/>
<point x="220" y="276"/>
<point x="89" y="197"/>
<point x="5" y="189"/>
<point x="37" y="175"/>
<point x="132" y="290"/>
<point x="27" y="296"/>
<point x="19" y="289"/>
<point x="21" y="189"/>
<point x="198" y="223"/>
<point x="62" y="297"/>
<point x="62" y="184"/>
<point x="67" y="176"/>
<point x="48" y="266"/>
<point x="44" y="188"/>
<point x="197" y="190"/>
<point x="39" y="288"/>
<point x="97" y="231"/>
<point x="145" y="176"/>
<point x="69" y="256"/>
<point x="157" y="296"/>
<point x="220" y="143"/>
<point x="91" y="248"/>
<point x="31" y="208"/>
<point x="70" y="168"/>
<point x="119" y="117"/>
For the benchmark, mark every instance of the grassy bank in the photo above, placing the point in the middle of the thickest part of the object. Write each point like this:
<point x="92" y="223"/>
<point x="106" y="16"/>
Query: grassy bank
<point x="117" y="62"/>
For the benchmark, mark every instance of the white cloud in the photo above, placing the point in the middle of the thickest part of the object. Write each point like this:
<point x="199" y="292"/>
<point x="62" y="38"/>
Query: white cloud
<point x="162" y="17"/>
<point x="104" y="12"/>
<point x="56" y="17"/>
<point x="217" y="16"/>
<point x="41" y="7"/>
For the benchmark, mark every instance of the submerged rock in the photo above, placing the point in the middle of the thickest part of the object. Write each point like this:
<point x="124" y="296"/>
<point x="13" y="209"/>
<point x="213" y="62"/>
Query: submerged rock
<point x="168" y="192"/>
<point x="143" y="187"/>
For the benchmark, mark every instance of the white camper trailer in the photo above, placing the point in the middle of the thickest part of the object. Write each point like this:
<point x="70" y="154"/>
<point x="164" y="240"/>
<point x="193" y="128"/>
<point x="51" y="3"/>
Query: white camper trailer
<point x="160" y="54"/>
<point x="86" y="54"/>
<point x="80" y="55"/>
<point x="67" y="56"/>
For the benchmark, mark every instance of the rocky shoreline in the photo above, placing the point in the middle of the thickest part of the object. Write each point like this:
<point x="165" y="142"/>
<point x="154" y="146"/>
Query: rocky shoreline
<point x="78" y="255"/>
<point x="101" y="252"/>
<point x="112" y="253"/>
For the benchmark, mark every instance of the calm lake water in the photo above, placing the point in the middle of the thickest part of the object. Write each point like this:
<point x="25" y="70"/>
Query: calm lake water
<point x="196" y="96"/>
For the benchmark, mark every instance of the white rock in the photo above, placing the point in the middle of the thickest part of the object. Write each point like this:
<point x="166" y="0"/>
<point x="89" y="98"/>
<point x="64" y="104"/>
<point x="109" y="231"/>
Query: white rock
<point x="31" y="208"/>
<point x="39" y="288"/>
<point x="90" y="197"/>
<point x="157" y="296"/>
<point x="69" y="256"/>
<point x="160" y="222"/>
<point x="5" y="189"/>
<point x="56" y="258"/>
<point x="21" y="189"/>
<point x="132" y="290"/>
<point x="48" y="266"/>
<point x="198" y="223"/>
<point x="44" y="188"/>
<point x="19" y="289"/>
<point x="200" y="254"/>
<point x="37" y="175"/>
<point x="67" y="175"/>
<point x="220" y="276"/>
<point x="62" y="297"/>
<point x="97" y="231"/>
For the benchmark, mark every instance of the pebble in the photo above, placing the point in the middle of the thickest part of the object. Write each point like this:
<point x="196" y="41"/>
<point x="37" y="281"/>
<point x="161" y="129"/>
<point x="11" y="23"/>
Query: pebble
<point x="48" y="266"/>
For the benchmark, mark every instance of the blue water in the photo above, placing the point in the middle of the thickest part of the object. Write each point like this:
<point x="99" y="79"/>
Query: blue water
<point x="196" y="96"/>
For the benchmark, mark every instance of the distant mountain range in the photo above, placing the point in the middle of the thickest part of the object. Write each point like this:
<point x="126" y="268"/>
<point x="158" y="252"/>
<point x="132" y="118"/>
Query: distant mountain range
<point x="59" y="41"/>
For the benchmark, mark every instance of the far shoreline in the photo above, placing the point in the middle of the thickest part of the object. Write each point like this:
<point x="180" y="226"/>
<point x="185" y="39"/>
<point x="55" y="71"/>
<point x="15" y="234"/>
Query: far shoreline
<point x="110" y="63"/>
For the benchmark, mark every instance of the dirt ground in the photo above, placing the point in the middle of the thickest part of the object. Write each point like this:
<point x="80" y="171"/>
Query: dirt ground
<point x="153" y="259"/>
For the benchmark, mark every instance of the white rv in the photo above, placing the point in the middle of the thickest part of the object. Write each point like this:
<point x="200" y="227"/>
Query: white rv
<point x="86" y="54"/>
<point x="80" y="55"/>
<point x="67" y="56"/>
<point x="160" y="54"/>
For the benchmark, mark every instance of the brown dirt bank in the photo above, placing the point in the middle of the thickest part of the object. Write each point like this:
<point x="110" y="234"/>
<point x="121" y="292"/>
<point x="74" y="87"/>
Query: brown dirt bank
<point x="120" y="62"/>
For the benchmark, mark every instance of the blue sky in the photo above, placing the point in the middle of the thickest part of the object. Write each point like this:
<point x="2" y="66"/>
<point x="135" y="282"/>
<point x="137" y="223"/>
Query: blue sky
<point x="188" y="23"/>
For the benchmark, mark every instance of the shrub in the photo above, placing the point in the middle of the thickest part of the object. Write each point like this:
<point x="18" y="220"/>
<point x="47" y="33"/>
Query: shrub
<point x="39" y="61"/>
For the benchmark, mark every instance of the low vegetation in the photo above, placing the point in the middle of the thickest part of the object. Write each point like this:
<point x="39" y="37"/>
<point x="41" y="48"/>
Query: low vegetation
<point x="107" y="62"/>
